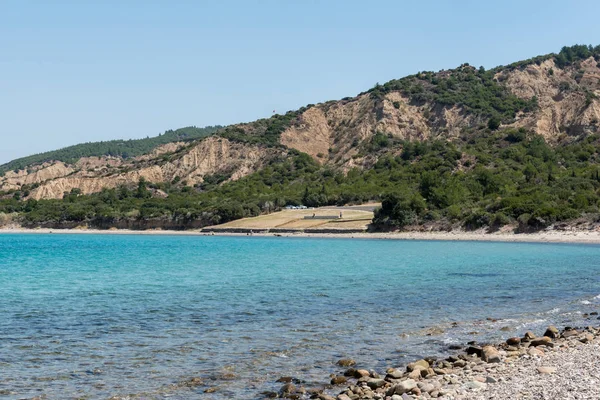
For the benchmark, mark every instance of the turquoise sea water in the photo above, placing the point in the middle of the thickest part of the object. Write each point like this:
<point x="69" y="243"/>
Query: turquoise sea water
<point x="111" y="315"/>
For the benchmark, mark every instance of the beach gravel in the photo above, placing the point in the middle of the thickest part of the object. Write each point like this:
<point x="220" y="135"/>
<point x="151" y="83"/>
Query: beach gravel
<point x="576" y="375"/>
<point x="566" y="366"/>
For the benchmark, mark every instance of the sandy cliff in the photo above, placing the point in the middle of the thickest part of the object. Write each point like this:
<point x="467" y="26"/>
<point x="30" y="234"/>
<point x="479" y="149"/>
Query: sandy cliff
<point x="210" y="156"/>
<point x="337" y="133"/>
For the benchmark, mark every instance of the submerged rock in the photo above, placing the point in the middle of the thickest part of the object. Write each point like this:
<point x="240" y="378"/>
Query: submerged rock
<point x="338" y="380"/>
<point x="346" y="362"/>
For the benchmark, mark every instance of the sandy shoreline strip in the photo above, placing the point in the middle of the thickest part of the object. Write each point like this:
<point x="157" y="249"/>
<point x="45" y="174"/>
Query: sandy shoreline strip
<point x="590" y="237"/>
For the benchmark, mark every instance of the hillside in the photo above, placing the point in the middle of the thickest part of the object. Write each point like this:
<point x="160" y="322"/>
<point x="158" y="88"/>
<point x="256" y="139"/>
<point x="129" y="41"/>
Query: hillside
<point x="111" y="148"/>
<point x="467" y="147"/>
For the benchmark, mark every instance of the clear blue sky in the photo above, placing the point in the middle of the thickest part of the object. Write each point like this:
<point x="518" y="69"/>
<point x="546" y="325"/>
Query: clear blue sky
<point x="78" y="71"/>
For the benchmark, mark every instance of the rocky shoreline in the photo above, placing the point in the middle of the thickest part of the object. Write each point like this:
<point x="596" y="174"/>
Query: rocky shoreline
<point x="561" y="364"/>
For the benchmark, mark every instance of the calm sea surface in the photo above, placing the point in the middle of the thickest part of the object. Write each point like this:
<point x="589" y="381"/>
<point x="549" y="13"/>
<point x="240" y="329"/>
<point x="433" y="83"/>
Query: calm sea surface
<point x="111" y="315"/>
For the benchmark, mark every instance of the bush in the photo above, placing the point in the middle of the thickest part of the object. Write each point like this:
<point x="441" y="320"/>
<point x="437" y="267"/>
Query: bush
<point x="499" y="219"/>
<point x="494" y="123"/>
<point x="477" y="219"/>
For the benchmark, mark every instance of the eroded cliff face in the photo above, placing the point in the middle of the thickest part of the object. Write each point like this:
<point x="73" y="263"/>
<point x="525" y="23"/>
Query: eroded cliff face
<point x="338" y="134"/>
<point x="567" y="98"/>
<point x="37" y="174"/>
<point x="332" y="133"/>
<point x="209" y="156"/>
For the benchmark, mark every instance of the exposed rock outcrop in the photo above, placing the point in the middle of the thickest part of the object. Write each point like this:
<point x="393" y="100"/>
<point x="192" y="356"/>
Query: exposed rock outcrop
<point x="339" y="133"/>
<point x="210" y="156"/>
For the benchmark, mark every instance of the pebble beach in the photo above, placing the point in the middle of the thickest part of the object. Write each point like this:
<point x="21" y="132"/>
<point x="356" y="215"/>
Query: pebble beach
<point x="560" y="364"/>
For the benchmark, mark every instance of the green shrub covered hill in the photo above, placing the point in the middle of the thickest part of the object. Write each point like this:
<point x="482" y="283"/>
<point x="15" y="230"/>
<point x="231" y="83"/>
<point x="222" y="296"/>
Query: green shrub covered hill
<point x="525" y="152"/>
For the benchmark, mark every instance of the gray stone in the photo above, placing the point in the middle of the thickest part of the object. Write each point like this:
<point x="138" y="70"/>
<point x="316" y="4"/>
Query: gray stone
<point x="395" y="374"/>
<point x="427" y="387"/>
<point x="375" y="383"/>
<point x="405" y="386"/>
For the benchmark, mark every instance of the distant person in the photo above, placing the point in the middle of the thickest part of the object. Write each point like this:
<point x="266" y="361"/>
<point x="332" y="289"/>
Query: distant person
<point x="340" y="215"/>
<point x="314" y="215"/>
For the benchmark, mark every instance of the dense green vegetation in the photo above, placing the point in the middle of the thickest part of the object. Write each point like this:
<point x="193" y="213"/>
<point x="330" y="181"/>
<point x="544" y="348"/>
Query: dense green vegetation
<point x="263" y="131"/>
<point x="116" y="148"/>
<point x="491" y="179"/>
<point x="570" y="55"/>
<point x="473" y="89"/>
<point x="476" y="90"/>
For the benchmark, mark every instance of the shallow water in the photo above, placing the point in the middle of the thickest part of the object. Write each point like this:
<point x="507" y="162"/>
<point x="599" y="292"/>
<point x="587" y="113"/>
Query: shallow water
<point x="106" y="315"/>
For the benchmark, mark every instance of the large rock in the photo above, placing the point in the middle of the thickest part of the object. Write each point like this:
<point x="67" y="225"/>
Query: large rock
<point x="543" y="341"/>
<point x="528" y="336"/>
<point x="478" y="351"/>
<point x="586" y="338"/>
<point x="570" y="332"/>
<point x="421" y="364"/>
<point x="376" y="383"/>
<point x="361" y="373"/>
<point x="427" y="387"/>
<point x="490" y="355"/>
<point x="405" y="386"/>
<point x="416" y="374"/>
<point x="394" y="374"/>
<point x="513" y="341"/>
<point x="552" y="332"/>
